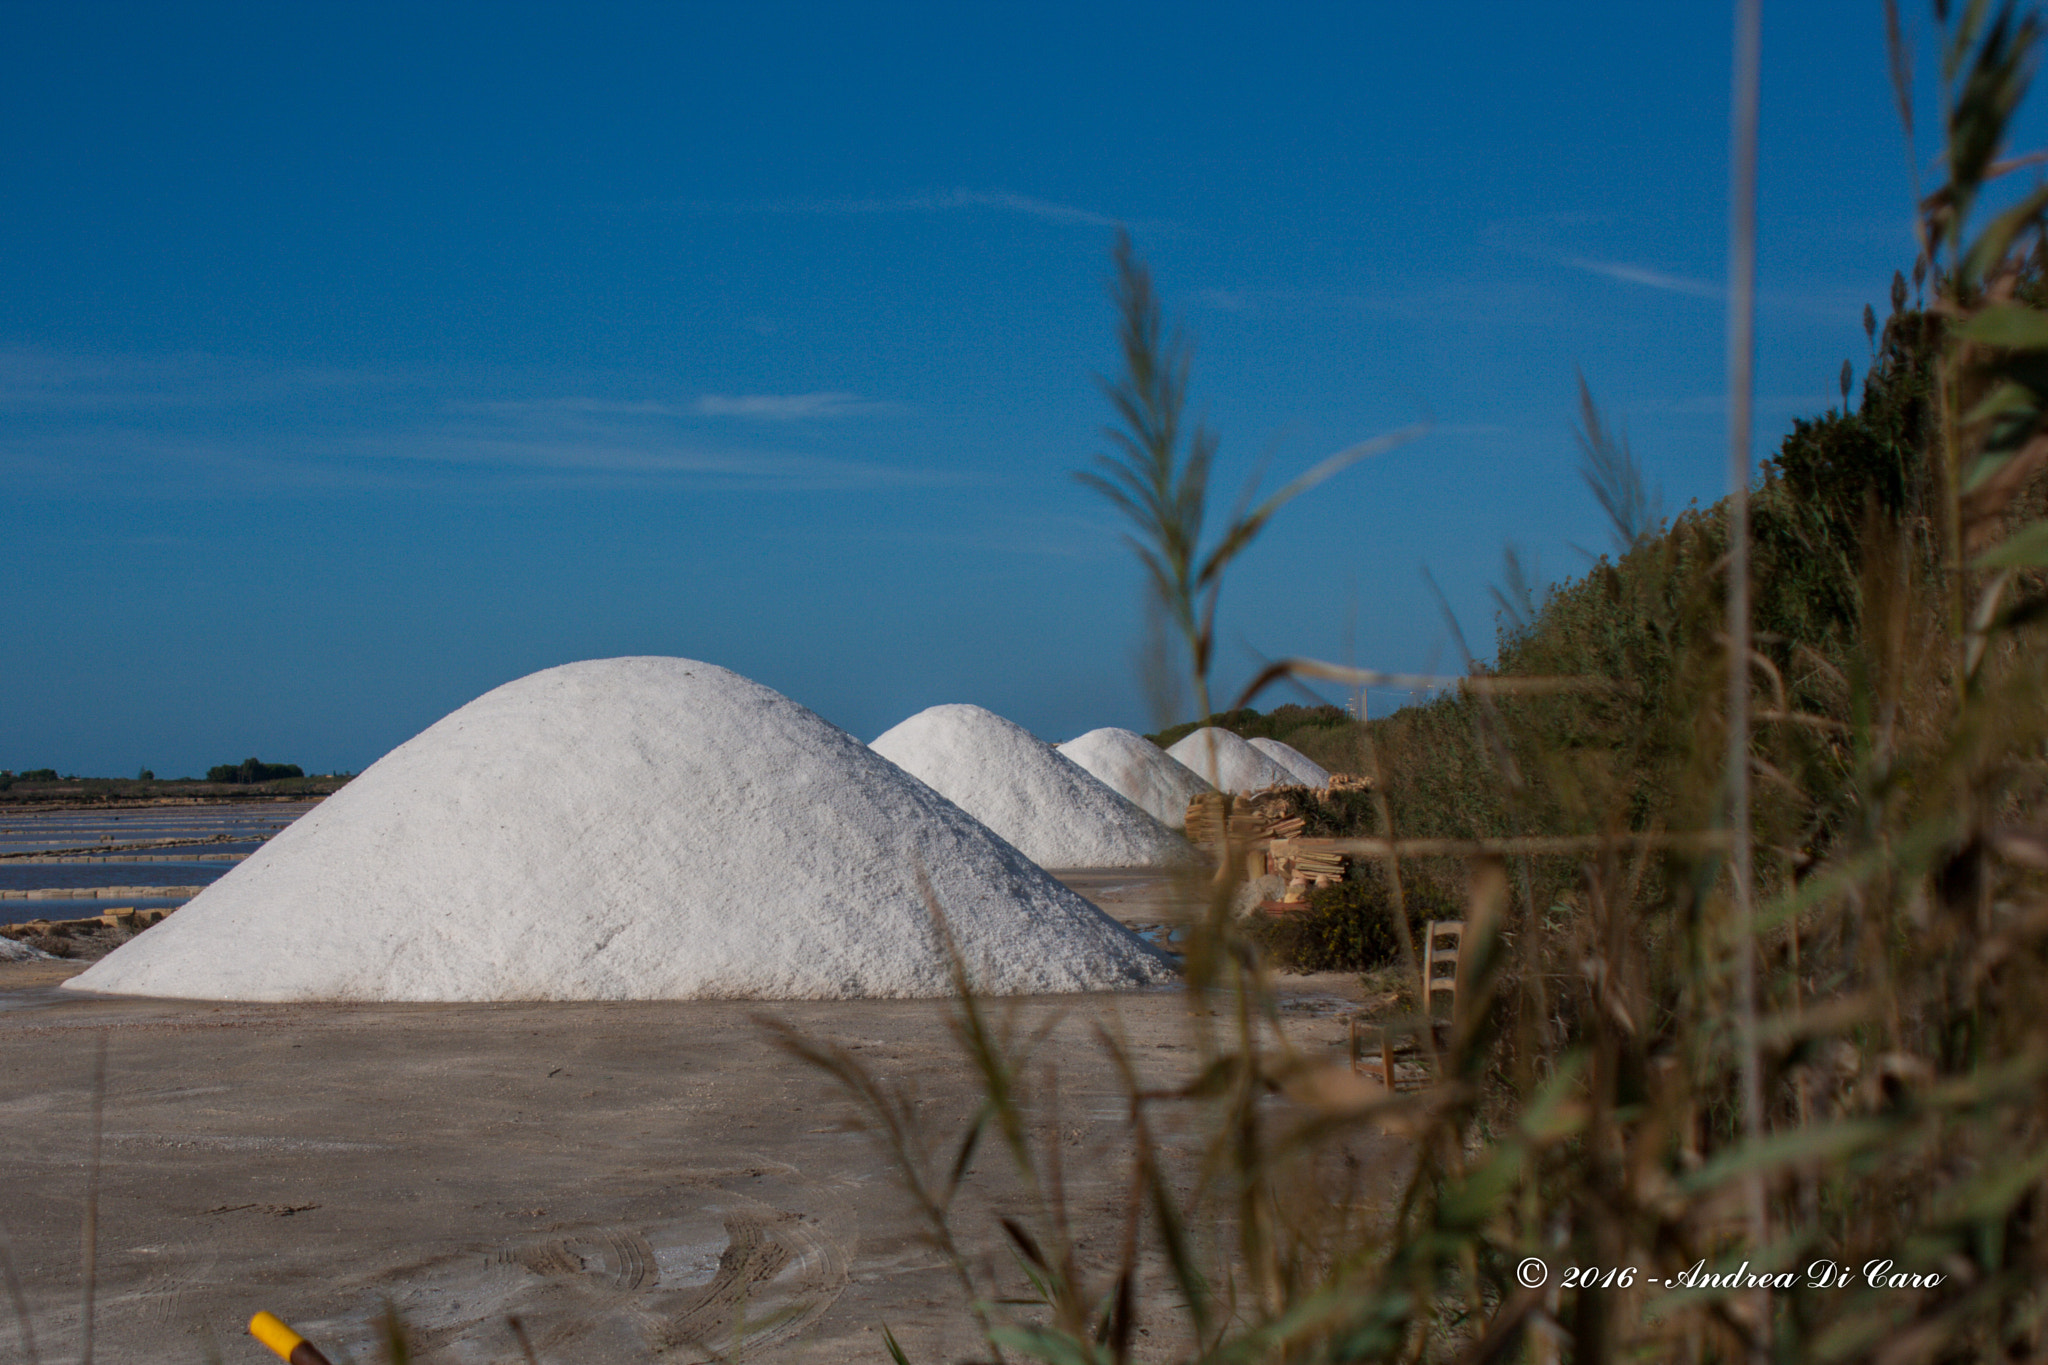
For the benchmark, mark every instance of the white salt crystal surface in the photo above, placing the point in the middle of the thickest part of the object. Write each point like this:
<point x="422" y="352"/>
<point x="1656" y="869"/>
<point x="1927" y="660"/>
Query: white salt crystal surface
<point x="1028" y="792"/>
<point x="13" y="950"/>
<point x="627" y="829"/>
<point x="1138" y="770"/>
<point x="1237" y="766"/>
<point x="1309" y="772"/>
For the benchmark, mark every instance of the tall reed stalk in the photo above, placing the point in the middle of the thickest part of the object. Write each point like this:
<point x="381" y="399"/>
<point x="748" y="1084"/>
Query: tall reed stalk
<point x="1674" y="1064"/>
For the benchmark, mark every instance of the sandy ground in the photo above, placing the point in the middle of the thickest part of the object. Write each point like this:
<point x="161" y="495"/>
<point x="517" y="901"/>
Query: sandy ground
<point x="629" y="1179"/>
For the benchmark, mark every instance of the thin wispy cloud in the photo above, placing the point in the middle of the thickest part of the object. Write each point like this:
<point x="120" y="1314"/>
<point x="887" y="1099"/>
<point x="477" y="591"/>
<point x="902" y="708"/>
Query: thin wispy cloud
<point x="763" y="407"/>
<point x="1551" y="237"/>
<point x="144" y="428"/>
<point x="786" y="407"/>
<point x="1643" y="275"/>
<point x="1038" y="536"/>
<point x="48" y="381"/>
<point x="594" y="407"/>
<point x="933" y="201"/>
<point x="513" y="451"/>
<point x="150" y="464"/>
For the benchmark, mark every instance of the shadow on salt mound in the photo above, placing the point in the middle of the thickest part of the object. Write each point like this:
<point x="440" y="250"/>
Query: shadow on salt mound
<point x="1306" y="770"/>
<point x="1234" y="766"/>
<point x="1139" y="771"/>
<point x="1042" y="802"/>
<point x="627" y="829"/>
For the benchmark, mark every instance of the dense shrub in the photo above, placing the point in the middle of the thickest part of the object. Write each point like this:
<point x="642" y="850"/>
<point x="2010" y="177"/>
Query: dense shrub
<point x="253" y="770"/>
<point x="1349" y="927"/>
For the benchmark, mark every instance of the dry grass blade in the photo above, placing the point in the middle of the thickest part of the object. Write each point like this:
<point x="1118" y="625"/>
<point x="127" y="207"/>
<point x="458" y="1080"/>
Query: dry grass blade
<point x="518" y="1330"/>
<point x="1478" y="685"/>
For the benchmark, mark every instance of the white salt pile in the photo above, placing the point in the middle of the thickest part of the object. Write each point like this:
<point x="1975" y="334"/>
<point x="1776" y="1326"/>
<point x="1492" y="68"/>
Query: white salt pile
<point x="1309" y="772"/>
<point x="14" y="950"/>
<point x="1025" y="790"/>
<point x="1232" y="764"/>
<point x="1139" y="771"/>
<point x="627" y="829"/>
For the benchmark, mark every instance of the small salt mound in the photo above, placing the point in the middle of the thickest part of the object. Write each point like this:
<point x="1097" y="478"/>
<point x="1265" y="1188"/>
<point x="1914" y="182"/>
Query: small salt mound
<point x="14" y="950"/>
<point x="1042" y="802"/>
<point x="1232" y="764"/>
<point x="1309" y="772"/>
<point x="627" y="829"/>
<point x="1139" y="771"/>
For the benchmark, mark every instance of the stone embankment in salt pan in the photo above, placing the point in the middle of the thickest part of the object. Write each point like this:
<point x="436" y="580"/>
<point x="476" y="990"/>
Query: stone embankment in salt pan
<point x="1305" y="769"/>
<point x="1233" y="765"/>
<point x="1028" y="792"/>
<point x="1140" y="771"/>
<point x="638" y="828"/>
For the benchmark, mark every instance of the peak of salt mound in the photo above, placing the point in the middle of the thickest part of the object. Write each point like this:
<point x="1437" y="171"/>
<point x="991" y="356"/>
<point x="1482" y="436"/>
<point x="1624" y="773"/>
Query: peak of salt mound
<point x="1138" y="770"/>
<point x="1237" y="766"/>
<point x="621" y="829"/>
<point x="1305" y="769"/>
<point x="1041" y="801"/>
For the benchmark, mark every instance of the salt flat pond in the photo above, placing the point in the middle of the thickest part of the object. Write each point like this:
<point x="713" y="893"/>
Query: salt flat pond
<point x="178" y="846"/>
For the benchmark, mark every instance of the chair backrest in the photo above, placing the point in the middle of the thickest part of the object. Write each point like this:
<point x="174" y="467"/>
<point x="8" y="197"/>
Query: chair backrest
<point x="1434" y="957"/>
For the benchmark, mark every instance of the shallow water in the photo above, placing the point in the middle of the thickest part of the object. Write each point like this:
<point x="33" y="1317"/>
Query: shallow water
<point x="155" y="847"/>
<point x="22" y="911"/>
<point x="84" y="830"/>
<point x="35" y="876"/>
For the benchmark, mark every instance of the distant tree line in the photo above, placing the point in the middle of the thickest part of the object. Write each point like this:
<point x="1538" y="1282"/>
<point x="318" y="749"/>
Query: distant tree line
<point x="253" y="770"/>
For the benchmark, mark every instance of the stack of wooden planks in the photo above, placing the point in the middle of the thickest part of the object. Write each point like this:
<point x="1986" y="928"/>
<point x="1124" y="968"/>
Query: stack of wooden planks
<point x="1321" y="867"/>
<point x="1269" y="823"/>
<point x="1306" y="864"/>
<point x="1212" y="813"/>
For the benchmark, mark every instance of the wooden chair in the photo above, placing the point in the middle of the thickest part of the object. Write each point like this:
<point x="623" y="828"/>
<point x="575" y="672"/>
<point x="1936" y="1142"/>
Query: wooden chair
<point x="1434" y="957"/>
<point x="1374" y="1050"/>
<point x="1372" y="1054"/>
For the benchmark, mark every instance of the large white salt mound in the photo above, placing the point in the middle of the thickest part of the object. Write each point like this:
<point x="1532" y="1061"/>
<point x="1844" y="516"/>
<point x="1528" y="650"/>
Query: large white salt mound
<point x="1309" y="772"/>
<point x="1028" y="792"/>
<point x="1139" y="771"/>
<point x="1234" y="766"/>
<point x="627" y="829"/>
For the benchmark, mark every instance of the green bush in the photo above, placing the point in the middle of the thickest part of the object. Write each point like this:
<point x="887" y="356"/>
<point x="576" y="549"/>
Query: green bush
<point x="251" y="770"/>
<point x="1349" y="927"/>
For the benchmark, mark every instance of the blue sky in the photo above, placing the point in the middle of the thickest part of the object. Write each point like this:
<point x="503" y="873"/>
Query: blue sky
<point x="357" y="359"/>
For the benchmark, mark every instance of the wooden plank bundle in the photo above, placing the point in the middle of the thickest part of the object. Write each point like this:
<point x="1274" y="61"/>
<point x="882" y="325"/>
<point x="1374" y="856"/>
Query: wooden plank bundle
<point x="1305" y="863"/>
<point x="1269" y="821"/>
<point x="1212" y="813"/>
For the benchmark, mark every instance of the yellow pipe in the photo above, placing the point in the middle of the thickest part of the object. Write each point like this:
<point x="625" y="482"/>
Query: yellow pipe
<point x="289" y="1345"/>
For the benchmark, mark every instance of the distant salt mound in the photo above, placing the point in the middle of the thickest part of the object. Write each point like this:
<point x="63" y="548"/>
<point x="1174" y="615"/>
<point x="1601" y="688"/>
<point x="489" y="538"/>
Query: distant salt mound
<point x="1238" y="766"/>
<point x="14" y="950"/>
<point x="1139" y="771"/>
<point x="1028" y="792"/>
<point x="627" y="829"/>
<point x="1306" y="770"/>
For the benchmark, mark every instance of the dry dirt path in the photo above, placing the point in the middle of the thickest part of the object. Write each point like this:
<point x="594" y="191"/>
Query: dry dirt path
<point x="625" y="1177"/>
